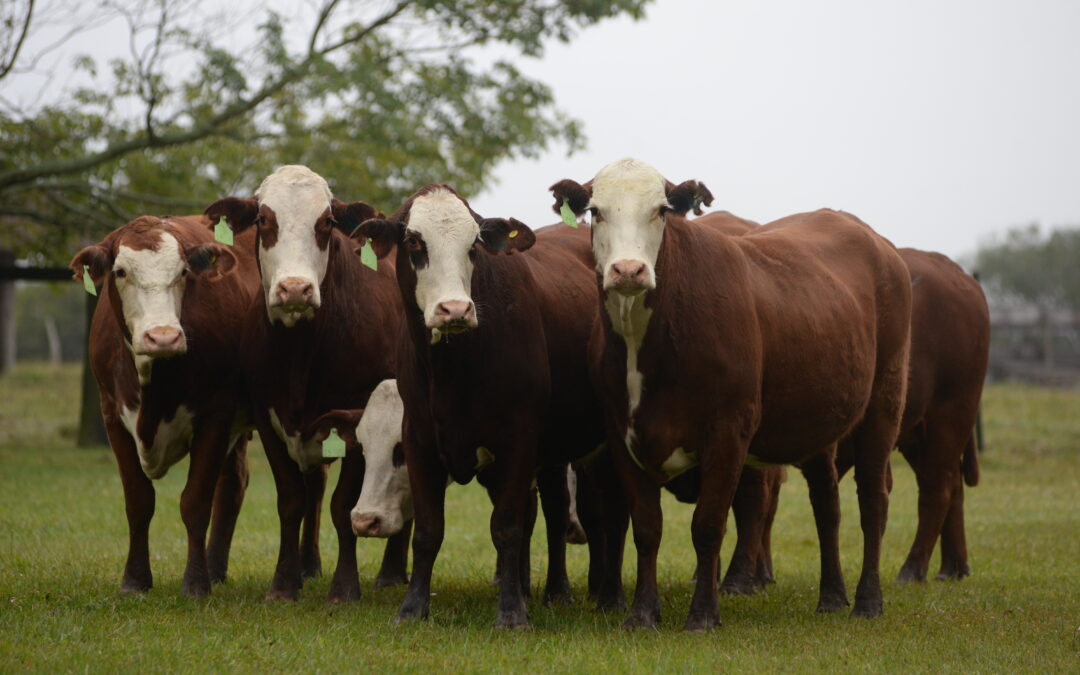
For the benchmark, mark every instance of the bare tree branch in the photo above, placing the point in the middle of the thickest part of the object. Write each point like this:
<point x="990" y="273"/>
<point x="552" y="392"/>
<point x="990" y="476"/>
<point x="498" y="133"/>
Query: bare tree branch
<point x="31" y="214"/>
<point x="5" y="68"/>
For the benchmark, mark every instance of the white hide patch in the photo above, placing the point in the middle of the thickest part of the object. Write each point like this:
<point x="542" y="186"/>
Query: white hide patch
<point x="306" y="454"/>
<point x="449" y="232"/>
<point x="172" y="440"/>
<point x="628" y="194"/>
<point x="298" y="197"/>
<point x="630" y="319"/>
<point x="386" y="493"/>
<point x="152" y="287"/>
<point x="678" y="462"/>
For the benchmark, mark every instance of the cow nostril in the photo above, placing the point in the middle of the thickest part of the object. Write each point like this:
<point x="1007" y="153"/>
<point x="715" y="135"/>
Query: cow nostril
<point x="454" y="309"/>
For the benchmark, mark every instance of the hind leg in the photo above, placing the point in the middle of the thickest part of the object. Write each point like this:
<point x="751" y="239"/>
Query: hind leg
<point x="751" y="505"/>
<point x="954" y="558"/>
<point x="820" y="473"/>
<point x="555" y="500"/>
<point x="228" y="498"/>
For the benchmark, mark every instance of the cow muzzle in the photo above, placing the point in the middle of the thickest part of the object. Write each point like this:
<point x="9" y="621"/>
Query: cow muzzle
<point x="370" y="525"/>
<point x="294" y="294"/>
<point x="629" y="277"/>
<point x="454" y="316"/>
<point x="162" y="341"/>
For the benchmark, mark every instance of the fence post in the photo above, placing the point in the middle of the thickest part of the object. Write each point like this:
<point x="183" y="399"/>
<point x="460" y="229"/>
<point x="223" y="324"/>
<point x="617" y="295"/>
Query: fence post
<point x="7" y="314"/>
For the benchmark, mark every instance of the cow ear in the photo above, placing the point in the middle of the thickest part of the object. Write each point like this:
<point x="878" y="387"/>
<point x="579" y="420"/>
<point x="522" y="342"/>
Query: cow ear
<point x="97" y="258"/>
<point x="240" y="214"/>
<point x="384" y="234"/>
<point x="688" y="196"/>
<point x="344" y="421"/>
<point x="348" y="215"/>
<point x="499" y="235"/>
<point x="575" y="195"/>
<point x="216" y="259"/>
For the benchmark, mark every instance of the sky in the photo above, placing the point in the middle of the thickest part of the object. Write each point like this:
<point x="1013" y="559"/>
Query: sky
<point x="939" y="122"/>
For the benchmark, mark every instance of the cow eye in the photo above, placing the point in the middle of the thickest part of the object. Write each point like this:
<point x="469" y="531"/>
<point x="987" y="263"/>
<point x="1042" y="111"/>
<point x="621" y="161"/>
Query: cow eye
<point x="663" y="211"/>
<point x="596" y="217"/>
<point x="120" y="272"/>
<point x="412" y="244"/>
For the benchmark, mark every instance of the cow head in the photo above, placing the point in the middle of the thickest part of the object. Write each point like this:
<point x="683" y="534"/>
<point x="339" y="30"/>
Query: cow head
<point x="440" y="235"/>
<point x="150" y="267"/>
<point x="629" y="202"/>
<point x="385" y="501"/>
<point x="294" y="214"/>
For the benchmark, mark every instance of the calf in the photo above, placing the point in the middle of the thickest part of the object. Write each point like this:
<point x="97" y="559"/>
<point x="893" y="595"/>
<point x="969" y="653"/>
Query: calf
<point x="164" y="350"/>
<point x="330" y="339"/>
<point x="493" y="357"/>
<point x="798" y="337"/>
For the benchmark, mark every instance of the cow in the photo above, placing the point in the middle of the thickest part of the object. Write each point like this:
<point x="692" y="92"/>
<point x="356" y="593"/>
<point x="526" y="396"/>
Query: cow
<point x="164" y="352"/>
<point x="715" y="351"/>
<point x="322" y="336"/>
<point x="492" y="370"/>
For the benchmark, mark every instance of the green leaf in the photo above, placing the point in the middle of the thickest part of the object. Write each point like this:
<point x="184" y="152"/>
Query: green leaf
<point x="333" y="446"/>
<point x="88" y="281"/>
<point x="368" y="257"/>
<point x="568" y="216"/>
<point x="222" y="232"/>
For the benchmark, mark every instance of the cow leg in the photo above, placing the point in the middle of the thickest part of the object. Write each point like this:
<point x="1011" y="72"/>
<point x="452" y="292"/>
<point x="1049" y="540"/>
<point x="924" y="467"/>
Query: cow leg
<point x="314" y="488"/>
<point x="427" y="480"/>
<point x="954" y="557"/>
<point x="208" y="452"/>
<point x="139" y="505"/>
<point x="773" y="480"/>
<point x="228" y="498"/>
<point x="821" y="479"/>
<point x="874" y="438"/>
<point x="508" y="524"/>
<point x="614" y="521"/>
<point x="345" y="587"/>
<point x="524" y="557"/>
<point x="555" y="500"/>
<point x="291" y="497"/>
<point x="643" y="495"/>
<point x="393" y="571"/>
<point x="750" y="506"/>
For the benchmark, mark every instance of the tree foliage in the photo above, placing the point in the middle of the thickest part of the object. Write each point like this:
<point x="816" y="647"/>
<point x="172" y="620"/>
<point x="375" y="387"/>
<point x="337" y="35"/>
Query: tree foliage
<point x="1029" y="265"/>
<point x="380" y="96"/>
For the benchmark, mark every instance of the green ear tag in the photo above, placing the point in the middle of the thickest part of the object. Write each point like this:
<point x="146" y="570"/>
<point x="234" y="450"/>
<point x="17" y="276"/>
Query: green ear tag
<point x="222" y="232"/>
<point x="368" y="257"/>
<point x="513" y="233"/>
<point x="568" y="216"/>
<point x="333" y="446"/>
<point x="88" y="281"/>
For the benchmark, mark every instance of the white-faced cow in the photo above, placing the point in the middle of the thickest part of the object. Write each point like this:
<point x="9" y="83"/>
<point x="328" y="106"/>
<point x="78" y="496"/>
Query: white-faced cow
<point x="164" y="348"/>
<point x="494" y="358"/>
<point x="715" y="350"/>
<point x="330" y="339"/>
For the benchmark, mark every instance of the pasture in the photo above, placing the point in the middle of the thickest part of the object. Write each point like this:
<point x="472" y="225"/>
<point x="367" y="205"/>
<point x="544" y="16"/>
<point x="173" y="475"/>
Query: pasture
<point x="63" y="539"/>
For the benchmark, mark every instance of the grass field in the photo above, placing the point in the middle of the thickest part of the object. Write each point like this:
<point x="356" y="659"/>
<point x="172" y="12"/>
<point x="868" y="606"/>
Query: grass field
<point x="63" y="540"/>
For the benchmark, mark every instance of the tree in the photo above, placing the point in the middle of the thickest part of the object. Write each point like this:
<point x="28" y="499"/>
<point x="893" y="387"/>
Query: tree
<point x="379" y="96"/>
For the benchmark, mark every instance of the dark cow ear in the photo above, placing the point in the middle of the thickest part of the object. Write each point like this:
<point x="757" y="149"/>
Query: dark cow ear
<point x="240" y="214"/>
<point x="349" y="215"/>
<point x="575" y="195"/>
<point x="499" y="235"/>
<point x="344" y="421"/>
<point x="384" y="234"/>
<point x="216" y="259"/>
<point x="97" y="258"/>
<point x="688" y="196"/>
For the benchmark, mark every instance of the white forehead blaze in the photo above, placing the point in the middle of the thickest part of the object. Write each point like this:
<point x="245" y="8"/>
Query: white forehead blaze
<point x="628" y="194"/>
<point x="385" y="492"/>
<point x="298" y="196"/>
<point x="152" y="285"/>
<point x="449" y="232"/>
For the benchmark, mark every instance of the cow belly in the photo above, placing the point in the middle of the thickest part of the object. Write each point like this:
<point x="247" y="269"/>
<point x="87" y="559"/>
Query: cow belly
<point x="171" y="440"/>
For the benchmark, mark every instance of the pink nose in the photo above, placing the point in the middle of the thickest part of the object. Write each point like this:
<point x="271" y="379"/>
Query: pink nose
<point x="453" y="311"/>
<point x="163" y="340"/>
<point x="293" y="291"/>
<point x="628" y="273"/>
<point x="366" y="524"/>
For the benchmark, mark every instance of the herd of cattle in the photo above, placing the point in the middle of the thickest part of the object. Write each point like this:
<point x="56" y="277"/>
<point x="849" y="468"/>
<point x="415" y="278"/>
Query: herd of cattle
<point x="588" y="364"/>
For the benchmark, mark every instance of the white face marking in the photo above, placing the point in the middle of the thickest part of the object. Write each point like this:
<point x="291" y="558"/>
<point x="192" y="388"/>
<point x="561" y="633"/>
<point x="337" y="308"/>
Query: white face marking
<point x="449" y="232"/>
<point x="151" y="288"/>
<point x="172" y="440"/>
<point x="385" y="494"/>
<point x="298" y="197"/>
<point x="629" y="227"/>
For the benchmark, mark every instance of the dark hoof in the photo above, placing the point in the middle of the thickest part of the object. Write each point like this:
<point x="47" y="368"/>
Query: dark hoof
<point x="613" y="604"/>
<point x="342" y="594"/>
<point x="132" y="586"/>
<point x="560" y="597"/>
<point x="311" y="569"/>
<point x="867" y="610"/>
<point x="410" y="614"/>
<point x="909" y="574"/>
<point x="831" y="602"/>
<point x="516" y="620"/>
<point x="218" y="574"/>
<point x="197" y="589"/>
<point x="391" y="580"/>
<point x="641" y="621"/>
<point x="701" y="623"/>
<point x="284" y="594"/>
<point x="954" y="572"/>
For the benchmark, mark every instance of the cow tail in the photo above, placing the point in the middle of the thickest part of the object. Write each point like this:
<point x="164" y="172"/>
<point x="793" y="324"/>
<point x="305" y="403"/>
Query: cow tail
<point x="970" y="462"/>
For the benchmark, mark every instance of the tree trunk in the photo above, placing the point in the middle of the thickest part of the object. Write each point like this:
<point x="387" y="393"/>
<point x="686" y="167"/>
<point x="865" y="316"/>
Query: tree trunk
<point x="52" y="337"/>
<point x="7" y="315"/>
<point x="91" y="426"/>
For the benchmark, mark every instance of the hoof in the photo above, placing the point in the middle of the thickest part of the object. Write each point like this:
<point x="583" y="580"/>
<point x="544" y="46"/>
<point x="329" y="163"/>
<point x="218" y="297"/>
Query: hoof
<point x="910" y="575"/>
<point x="701" y="623"/>
<point x="197" y="589"/>
<point x="218" y="575"/>
<point x="410" y="615"/>
<point x="311" y="569"/>
<point x="391" y="580"/>
<point x="641" y="621"/>
<point x="518" y="620"/>
<point x="283" y="594"/>
<point x="340" y="596"/>
<point x="954" y="572"/>
<point x="612" y="604"/>
<point x="133" y="586"/>
<point x="867" y="610"/>
<point x="831" y="602"/>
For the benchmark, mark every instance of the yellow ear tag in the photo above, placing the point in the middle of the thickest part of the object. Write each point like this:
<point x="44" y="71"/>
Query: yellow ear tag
<point x="513" y="233"/>
<point x="222" y="233"/>
<point x="333" y="446"/>
<point x="368" y="257"/>
<point x="88" y="281"/>
<point x="568" y="216"/>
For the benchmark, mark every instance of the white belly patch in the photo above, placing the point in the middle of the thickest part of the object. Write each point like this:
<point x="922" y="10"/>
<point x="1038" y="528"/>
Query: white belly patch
<point x="172" y="440"/>
<point x="680" y="461"/>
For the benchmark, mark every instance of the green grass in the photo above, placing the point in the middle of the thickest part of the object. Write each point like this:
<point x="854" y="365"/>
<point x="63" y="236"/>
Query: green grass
<point x="63" y="540"/>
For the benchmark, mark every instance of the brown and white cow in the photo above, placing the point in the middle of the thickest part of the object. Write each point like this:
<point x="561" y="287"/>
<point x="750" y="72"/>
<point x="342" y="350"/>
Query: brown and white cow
<point x="330" y="339"/>
<point x="493" y="357"/>
<point x="164" y="350"/>
<point x="715" y="350"/>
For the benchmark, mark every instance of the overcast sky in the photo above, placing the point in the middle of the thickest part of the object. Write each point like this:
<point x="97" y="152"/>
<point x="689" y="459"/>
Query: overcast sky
<point x="939" y="122"/>
<point x="936" y="121"/>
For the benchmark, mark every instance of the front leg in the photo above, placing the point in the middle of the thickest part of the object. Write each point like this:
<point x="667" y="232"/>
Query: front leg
<point x="207" y="456"/>
<point x="427" y="479"/>
<point x="228" y="498"/>
<point x="139" y="501"/>
<point x="314" y="488"/>
<point x="555" y="500"/>
<point x="643" y="496"/>
<point x="394" y="568"/>
<point x="289" y="482"/>
<point x="511" y="494"/>
<point x="345" y="586"/>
